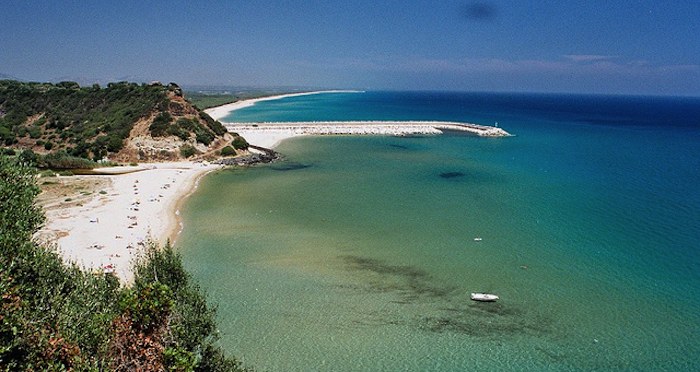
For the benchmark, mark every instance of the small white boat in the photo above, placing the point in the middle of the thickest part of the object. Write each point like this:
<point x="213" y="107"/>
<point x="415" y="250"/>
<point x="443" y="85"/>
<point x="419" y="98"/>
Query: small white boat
<point x="477" y="239"/>
<point x="484" y="297"/>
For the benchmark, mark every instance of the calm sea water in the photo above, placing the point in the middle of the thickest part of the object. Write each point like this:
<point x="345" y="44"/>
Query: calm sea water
<point x="358" y="253"/>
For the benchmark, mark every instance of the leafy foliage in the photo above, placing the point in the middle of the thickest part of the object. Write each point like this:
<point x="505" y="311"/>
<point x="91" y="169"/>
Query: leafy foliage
<point x="214" y="125"/>
<point x="160" y="124"/>
<point x="228" y="151"/>
<point x="93" y="122"/>
<point x="239" y="143"/>
<point x="52" y="316"/>
<point x="182" y="128"/>
<point x="61" y="160"/>
<point x="55" y="316"/>
<point x="186" y="151"/>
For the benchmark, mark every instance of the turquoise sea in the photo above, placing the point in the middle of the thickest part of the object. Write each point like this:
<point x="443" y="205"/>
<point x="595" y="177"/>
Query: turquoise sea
<point x="358" y="253"/>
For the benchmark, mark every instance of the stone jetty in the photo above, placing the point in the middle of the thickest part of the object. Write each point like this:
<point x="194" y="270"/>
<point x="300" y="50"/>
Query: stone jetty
<point x="398" y="128"/>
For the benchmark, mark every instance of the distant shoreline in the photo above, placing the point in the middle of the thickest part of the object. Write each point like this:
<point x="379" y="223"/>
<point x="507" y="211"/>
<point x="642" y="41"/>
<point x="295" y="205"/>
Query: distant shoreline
<point x="219" y="112"/>
<point x="270" y="135"/>
<point x="267" y="139"/>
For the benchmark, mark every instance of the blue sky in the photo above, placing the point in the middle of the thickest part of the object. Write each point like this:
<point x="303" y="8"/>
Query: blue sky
<point x="593" y="46"/>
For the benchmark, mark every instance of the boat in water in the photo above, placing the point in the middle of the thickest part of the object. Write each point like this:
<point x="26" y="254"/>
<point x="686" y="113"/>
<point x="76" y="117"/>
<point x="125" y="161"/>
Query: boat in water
<point x="484" y="297"/>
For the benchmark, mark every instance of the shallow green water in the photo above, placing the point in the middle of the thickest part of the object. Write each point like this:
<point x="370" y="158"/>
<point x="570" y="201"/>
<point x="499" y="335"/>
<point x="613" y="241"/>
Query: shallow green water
<point x="359" y="254"/>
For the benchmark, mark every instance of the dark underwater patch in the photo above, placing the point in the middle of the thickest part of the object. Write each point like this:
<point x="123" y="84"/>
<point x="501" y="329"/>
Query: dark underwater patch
<point x="285" y="167"/>
<point x="452" y="312"/>
<point x="449" y="175"/>
<point x="413" y="284"/>
<point x="402" y="147"/>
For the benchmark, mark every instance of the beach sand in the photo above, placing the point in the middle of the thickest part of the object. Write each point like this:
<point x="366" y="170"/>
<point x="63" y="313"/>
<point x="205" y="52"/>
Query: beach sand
<point x="101" y="221"/>
<point x="270" y="138"/>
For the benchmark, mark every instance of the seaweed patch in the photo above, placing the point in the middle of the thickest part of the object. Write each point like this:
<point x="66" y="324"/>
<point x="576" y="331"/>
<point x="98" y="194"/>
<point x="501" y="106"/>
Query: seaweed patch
<point x="448" y="309"/>
<point x="411" y="282"/>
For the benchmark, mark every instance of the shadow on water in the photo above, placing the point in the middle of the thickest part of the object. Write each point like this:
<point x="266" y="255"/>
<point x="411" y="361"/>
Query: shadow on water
<point x="442" y="308"/>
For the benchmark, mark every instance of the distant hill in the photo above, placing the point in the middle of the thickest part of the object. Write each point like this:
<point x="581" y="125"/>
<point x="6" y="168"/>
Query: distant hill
<point x="7" y="77"/>
<point x="123" y="121"/>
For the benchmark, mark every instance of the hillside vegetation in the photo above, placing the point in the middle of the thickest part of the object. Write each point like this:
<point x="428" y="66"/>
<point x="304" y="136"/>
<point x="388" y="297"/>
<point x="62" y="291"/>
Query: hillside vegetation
<point x="57" y="317"/>
<point x="122" y="122"/>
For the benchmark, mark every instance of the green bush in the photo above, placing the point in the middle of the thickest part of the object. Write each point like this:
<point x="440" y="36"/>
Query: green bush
<point x="239" y="143"/>
<point x="214" y="125"/>
<point x="28" y="157"/>
<point x="228" y="151"/>
<point x="61" y="160"/>
<point x="6" y="133"/>
<point x="183" y="127"/>
<point x="160" y="124"/>
<point x="34" y="132"/>
<point x="187" y="151"/>
<point x="148" y="304"/>
<point x="54" y="316"/>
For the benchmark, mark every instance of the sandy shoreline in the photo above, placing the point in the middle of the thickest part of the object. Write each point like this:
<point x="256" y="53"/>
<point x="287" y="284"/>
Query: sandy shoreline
<point x="219" y="112"/>
<point x="270" y="135"/>
<point x="106" y="228"/>
<point x="268" y="139"/>
<point x="101" y="221"/>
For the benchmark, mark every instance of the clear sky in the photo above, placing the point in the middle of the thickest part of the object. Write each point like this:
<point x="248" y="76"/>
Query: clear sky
<point x="577" y="46"/>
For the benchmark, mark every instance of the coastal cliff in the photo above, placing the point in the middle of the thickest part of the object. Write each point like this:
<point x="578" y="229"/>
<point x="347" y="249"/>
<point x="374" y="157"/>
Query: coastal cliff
<point x="124" y="122"/>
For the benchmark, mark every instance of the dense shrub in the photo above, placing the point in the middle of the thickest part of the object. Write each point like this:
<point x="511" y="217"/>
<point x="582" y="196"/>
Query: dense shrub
<point x="53" y="316"/>
<point x="187" y="151"/>
<point x="228" y="151"/>
<point x="80" y="114"/>
<point x="57" y="317"/>
<point x="61" y="160"/>
<point x="93" y="122"/>
<point x="160" y="124"/>
<point x="6" y="134"/>
<point x="28" y="157"/>
<point x="239" y="143"/>
<point x="214" y="125"/>
<point x="182" y="128"/>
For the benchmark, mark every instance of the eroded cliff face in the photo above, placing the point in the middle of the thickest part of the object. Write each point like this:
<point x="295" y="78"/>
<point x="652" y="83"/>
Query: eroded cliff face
<point x="179" y="132"/>
<point x="124" y="122"/>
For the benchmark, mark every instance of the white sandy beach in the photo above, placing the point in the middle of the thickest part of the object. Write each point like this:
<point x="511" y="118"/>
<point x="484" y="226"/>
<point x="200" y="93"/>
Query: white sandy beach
<point x="107" y="226"/>
<point x="271" y="138"/>
<point x="219" y="112"/>
<point x="269" y="135"/>
<point x="106" y="230"/>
